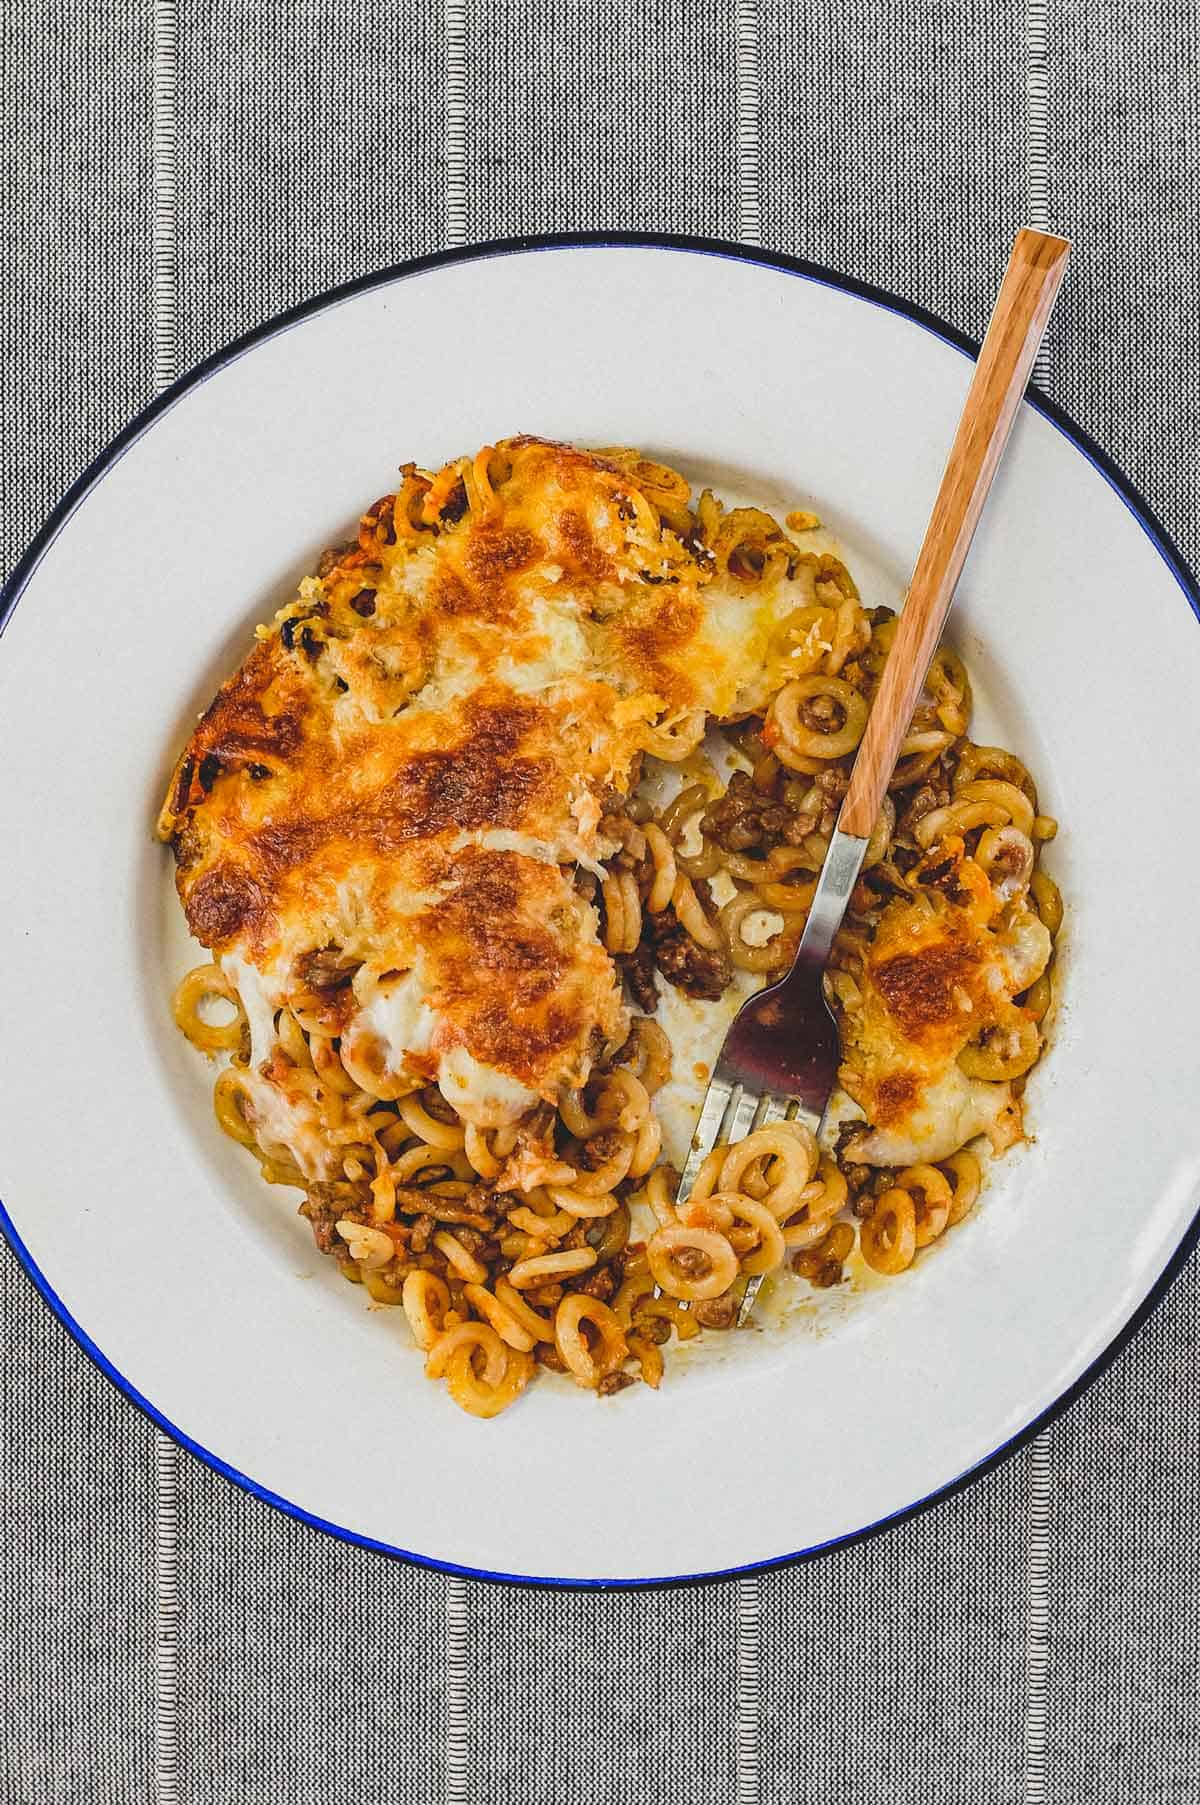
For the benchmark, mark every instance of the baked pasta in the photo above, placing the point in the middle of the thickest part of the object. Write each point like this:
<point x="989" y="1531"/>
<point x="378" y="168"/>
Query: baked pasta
<point x="546" y="736"/>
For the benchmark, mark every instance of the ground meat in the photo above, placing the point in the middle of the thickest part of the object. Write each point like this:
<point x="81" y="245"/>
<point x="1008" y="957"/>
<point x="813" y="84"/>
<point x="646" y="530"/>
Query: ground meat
<point x="479" y="1209"/>
<point x="327" y="970"/>
<point x="822" y="1274"/>
<point x="637" y="969"/>
<point x="924" y="801"/>
<point x="716" y="1312"/>
<point x="745" y="817"/>
<point x="693" y="1262"/>
<point x="614" y="1382"/>
<point x="602" y="1284"/>
<point x="652" y="1328"/>
<point x="600" y="1147"/>
<point x="328" y="1204"/>
<point x="690" y="968"/>
<point x="549" y="1357"/>
<point x="422" y="1233"/>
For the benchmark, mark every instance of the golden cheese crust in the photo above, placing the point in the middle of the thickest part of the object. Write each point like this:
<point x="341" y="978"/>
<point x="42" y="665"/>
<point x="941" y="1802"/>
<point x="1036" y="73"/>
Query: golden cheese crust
<point x="420" y="750"/>
<point x="939" y="975"/>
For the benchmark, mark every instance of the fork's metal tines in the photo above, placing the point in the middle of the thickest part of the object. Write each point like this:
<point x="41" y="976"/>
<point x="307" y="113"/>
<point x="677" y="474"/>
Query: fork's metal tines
<point x="731" y="1110"/>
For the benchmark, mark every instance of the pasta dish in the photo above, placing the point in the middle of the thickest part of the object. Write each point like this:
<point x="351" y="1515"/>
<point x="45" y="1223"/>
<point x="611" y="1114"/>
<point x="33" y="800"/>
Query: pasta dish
<point x="546" y="737"/>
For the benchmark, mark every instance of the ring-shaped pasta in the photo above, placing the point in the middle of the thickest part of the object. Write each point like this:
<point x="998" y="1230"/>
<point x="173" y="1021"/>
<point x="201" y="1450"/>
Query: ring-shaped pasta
<point x="683" y="808"/>
<point x="423" y="1294"/>
<point x="792" y="1144"/>
<point x="415" y="1160"/>
<point x="1047" y="900"/>
<point x="646" y="1147"/>
<point x="888" y="1236"/>
<point x="663" y="853"/>
<point x="459" y="1257"/>
<point x="364" y="1056"/>
<point x="449" y="1136"/>
<point x="506" y="1324"/>
<point x="468" y="1336"/>
<point x="586" y="1363"/>
<point x="667" y="1246"/>
<point x="541" y="1328"/>
<point x="771" y="1250"/>
<point x="477" y="1394"/>
<point x="369" y="1247"/>
<point x="328" y="1065"/>
<point x="1003" y="1052"/>
<point x="202" y="982"/>
<point x="950" y="686"/>
<point x="975" y="762"/>
<point x="230" y="1097"/>
<point x="1006" y="856"/>
<point x="656" y="1194"/>
<point x="796" y="738"/>
<point x="478" y="1149"/>
<point x="821" y="1199"/>
<point x="958" y="817"/>
<point x="649" y="1359"/>
<point x="672" y="739"/>
<point x="881" y="834"/>
<point x="651" y="1056"/>
<point x="932" y="1200"/>
<point x="967" y="1174"/>
<point x="1005" y="795"/>
<point x="1038" y="997"/>
<point x="777" y="950"/>
<point x="547" y="1268"/>
<point x="544" y="1228"/>
<point x="686" y="905"/>
<point x="711" y="1211"/>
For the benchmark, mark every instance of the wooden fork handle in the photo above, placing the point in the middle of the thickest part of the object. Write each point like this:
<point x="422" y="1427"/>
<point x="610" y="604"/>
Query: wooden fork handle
<point x="1031" y="282"/>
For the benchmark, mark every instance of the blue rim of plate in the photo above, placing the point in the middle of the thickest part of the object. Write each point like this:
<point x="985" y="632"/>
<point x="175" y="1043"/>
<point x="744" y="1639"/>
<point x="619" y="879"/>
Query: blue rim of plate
<point x="706" y="247"/>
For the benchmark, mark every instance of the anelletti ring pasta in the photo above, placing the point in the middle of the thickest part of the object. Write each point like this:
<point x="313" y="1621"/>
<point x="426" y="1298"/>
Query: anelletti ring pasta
<point x="544" y="736"/>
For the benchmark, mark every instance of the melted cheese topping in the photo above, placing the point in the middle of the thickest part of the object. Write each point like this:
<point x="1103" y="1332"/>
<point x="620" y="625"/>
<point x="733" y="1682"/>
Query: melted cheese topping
<point x="404" y="773"/>
<point x="940" y="972"/>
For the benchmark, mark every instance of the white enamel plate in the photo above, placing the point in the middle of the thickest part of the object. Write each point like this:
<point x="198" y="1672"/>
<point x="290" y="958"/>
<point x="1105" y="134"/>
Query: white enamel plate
<point x="198" y="1289"/>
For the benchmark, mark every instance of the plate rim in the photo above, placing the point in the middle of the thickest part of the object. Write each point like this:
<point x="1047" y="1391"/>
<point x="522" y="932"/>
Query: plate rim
<point x="107" y="458"/>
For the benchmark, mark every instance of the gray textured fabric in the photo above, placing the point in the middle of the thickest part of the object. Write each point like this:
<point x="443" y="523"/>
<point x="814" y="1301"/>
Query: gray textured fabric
<point x="74" y="245"/>
<point x="76" y="1604"/>
<point x="893" y="146"/>
<point x="311" y="149"/>
<point x="588" y="115"/>
<point x="76" y="1481"/>
<point x="310" y="1670"/>
<point x="1125" y="1581"/>
<point x="616" y="1700"/>
<point x="313" y="145"/>
<point x="894" y="1671"/>
<point x="1124" y="182"/>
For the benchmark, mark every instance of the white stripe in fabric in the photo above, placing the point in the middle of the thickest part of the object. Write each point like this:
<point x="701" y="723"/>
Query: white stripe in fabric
<point x="456" y="122"/>
<point x="457" y="1638"/>
<point x="457" y="1735"/>
<point x="748" y="1683"/>
<point x="1037" y="1627"/>
<point x="749" y="116"/>
<point x="164" y="228"/>
<point x="1037" y="1623"/>
<point x="1037" y="106"/>
<point x="165" y="310"/>
<point x="748" y="99"/>
<point x="166" y="1635"/>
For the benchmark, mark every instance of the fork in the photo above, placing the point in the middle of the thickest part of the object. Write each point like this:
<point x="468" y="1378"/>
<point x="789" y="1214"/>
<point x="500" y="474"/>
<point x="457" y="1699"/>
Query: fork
<point x="780" y="1056"/>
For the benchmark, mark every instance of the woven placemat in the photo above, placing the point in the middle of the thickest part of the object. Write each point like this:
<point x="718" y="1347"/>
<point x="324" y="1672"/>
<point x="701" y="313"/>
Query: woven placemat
<point x="176" y="173"/>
